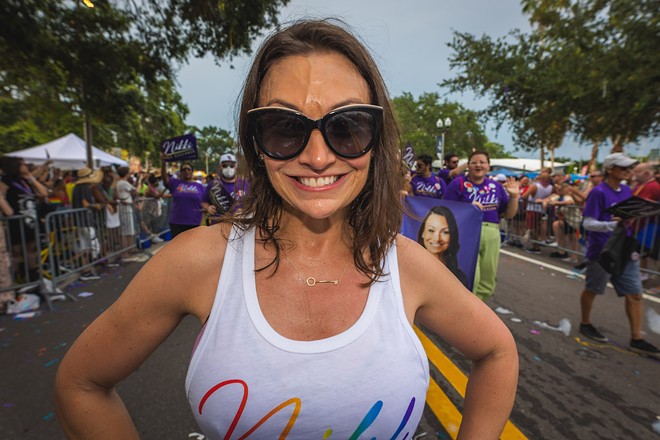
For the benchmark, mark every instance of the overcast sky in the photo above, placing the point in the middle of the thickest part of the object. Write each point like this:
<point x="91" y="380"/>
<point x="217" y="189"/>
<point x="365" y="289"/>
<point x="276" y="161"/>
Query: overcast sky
<point x="408" y="39"/>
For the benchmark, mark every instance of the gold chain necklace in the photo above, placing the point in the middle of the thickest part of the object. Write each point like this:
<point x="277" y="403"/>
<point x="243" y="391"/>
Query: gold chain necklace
<point x="311" y="281"/>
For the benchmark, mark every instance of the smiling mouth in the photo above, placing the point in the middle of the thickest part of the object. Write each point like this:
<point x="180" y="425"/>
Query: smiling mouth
<point x="317" y="182"/>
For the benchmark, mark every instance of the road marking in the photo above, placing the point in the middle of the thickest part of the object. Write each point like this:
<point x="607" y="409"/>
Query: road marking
<point x="444" y="410"/>
<point x="566" y="271"/>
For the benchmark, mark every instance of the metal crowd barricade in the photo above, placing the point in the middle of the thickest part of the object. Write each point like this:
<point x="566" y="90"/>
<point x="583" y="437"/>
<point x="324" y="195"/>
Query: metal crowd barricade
<point x="71" y="245"/>
<point x="560" y="226"/>
<point x="78" y="239"/>
<point x="20" y="248"/>
<point x="151" y="216"/>
<point x="44" y="256"/>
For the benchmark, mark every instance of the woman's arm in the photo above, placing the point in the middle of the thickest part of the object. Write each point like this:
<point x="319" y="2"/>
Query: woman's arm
<point x="123" y="337"/>
<point x="463" y="320"/>
<point x="39" y="189"/>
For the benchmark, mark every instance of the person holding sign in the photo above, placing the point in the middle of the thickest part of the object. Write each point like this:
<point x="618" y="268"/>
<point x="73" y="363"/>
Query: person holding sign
<point x="600" y="224"/>
<point x="493" y="199"/>
<point x="187" y="198"/>
<point x="307" y="300"/>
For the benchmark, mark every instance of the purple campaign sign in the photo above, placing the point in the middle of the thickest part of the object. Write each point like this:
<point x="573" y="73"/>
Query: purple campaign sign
<point x="409" y="156"/>
<point x="179" y="148"/>
<point x="464" y="232"/>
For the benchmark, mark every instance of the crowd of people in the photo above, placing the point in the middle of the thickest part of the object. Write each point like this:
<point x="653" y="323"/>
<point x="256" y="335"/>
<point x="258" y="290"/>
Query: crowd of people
<point x="552" y="210"/>
<point x="304" y="269"/>
<point x="126" y="207"/>
<point x="309" y="274"/>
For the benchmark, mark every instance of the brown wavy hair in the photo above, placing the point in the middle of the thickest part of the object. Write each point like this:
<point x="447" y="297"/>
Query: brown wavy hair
<point x="374" y="217"/>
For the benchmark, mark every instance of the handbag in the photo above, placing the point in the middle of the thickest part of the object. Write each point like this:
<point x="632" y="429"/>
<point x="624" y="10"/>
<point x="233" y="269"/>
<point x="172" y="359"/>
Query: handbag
<point x="617" y="251"/>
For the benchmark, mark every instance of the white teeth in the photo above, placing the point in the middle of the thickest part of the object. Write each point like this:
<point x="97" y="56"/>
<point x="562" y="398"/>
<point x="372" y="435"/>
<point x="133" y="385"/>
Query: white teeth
<point x="318" y="182"/>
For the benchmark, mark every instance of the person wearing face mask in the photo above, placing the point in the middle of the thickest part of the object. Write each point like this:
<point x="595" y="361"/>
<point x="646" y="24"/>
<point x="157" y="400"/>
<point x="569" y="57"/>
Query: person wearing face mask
<point x="224" y="193"/>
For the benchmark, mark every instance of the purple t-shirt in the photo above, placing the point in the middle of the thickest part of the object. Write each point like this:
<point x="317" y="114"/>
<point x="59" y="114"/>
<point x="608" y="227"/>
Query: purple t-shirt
<point x="443" y="174"/>
<point x="186" y="202"/>
<point x="226" y="196"/>
<point x="599" y="199"/>
<point x="431" y="186"/>
<point x="492" y="196"/>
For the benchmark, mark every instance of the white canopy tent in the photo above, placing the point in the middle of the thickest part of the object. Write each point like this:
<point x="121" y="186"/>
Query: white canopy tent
<point x="67" y="152"/>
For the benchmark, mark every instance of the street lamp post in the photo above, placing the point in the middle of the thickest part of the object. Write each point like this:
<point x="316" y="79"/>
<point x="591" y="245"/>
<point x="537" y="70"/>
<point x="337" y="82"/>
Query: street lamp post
<point x="443" y="126"/>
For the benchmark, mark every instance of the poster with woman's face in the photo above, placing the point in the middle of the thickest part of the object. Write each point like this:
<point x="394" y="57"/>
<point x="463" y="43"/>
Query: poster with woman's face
<point x="449" y="230"/>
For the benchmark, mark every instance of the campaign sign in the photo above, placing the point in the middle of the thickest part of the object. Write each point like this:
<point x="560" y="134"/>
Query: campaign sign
<point x="409" y="156"/>
<point x="634" y="207"/>
<point x="448" y="229"/>
<point x="179" y="148"/>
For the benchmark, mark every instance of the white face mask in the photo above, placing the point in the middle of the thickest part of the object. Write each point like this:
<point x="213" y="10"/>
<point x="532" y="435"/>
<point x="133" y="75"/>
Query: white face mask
<point x="229" y="172"/>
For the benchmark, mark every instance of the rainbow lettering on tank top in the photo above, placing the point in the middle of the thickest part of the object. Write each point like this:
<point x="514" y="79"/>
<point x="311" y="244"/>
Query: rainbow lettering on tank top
<point x="368" y="419"/>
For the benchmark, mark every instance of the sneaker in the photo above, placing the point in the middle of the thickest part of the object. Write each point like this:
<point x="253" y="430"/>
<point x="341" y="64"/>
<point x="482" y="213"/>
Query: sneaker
<point x="580" y="266"/>
<point x="557" y="254"/>
<point x="590" y="332"/>
<point x="88" y="276"/>
<point x="570" y="259"/>
<point x="551" y="243"/>
<point x="643" y="347"/>
<point x="156" y="239"/>
<point x="532" y="251"/>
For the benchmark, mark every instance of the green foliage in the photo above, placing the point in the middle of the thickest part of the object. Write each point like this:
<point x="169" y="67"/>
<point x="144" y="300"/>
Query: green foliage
<point x="588" y="67"/>
<point x="417" y="119"/>
<point x="521" y="82"/>
<point x="212" y="142"/>
<point x="114" y="63"/>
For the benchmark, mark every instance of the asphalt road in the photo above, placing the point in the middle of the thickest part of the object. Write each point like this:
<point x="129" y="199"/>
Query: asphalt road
<point x="568" y="388"/>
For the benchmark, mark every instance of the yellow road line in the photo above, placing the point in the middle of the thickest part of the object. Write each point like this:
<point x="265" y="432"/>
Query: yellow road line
<point x="445" y="411"/>
<point x="440" y="405"/>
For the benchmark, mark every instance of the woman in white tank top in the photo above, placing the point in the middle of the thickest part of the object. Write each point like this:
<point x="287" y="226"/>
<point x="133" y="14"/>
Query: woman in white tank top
<point x="307" y="299"/>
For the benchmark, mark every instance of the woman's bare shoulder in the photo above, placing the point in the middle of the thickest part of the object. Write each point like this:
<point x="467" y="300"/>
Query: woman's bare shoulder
<point x="187" y="269"/>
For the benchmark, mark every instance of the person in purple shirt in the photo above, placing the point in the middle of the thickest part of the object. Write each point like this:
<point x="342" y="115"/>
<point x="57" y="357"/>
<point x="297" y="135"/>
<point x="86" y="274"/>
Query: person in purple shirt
<point x="424" y="183"/>
<point x="187" y="199"/>
<point x="493" y="199"/>
<point x="452" y="169"/>
<point x="600" y="224"/>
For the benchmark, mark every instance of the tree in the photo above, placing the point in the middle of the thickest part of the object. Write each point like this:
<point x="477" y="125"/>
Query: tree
<point x="522" y="81"/>
<point x="417" y="120"/>
<point x="587" y="67"/>
<point x="212" y="142"/>
<point x="611" y="47"/>
<point x="103" y="64"/>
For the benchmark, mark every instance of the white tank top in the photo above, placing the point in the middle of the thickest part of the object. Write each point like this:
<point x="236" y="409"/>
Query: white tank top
<point x="542" y="192"/>
<point x="245" y="380"/>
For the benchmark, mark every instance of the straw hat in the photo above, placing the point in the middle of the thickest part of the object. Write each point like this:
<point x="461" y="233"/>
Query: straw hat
<point x="86" y="175"/>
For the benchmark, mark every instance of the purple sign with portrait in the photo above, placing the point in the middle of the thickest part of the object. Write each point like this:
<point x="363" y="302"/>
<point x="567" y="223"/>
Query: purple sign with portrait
<point x="450" y="230"/>
<point x="179" y="148"/>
